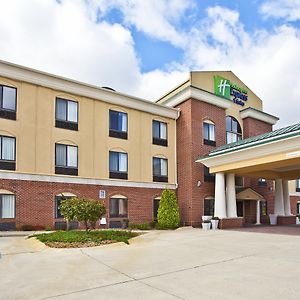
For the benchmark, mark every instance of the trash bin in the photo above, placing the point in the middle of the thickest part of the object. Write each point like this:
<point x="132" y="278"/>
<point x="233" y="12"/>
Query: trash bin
<point x="273" y="219"/>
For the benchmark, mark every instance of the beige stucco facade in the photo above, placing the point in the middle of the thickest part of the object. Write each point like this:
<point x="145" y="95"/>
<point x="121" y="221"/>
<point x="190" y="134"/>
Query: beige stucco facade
<point x="36" y="133"/>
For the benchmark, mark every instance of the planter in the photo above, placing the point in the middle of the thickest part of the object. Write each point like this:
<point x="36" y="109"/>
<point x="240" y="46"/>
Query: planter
<point x="206" y="226"/>
<point x="273" y="219"/>
<point x="214" y="224"/>
<point x="206" y="218"/>
<point x="298" y="221"/>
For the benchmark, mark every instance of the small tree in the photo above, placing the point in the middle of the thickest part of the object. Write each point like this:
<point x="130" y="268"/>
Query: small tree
<point x="168" y="212"/>
<point x="82" y="210"/>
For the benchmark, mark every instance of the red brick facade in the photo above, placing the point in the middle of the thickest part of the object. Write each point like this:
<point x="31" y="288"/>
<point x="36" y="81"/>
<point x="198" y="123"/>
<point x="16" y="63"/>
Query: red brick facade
<point x="35" y="204"/>
<point x="190" y="145"/>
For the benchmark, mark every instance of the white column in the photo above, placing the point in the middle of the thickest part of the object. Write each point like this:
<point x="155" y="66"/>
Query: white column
<point x="286" y="198"/>
<point x="258" y="212"/>
<point x="230" y="196"/>
<point x="220" y="200"/>
<point x="279" y="208"/>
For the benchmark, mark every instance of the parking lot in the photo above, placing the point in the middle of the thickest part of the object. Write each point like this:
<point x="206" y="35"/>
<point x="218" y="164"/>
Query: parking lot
<point x="184" y="264"/>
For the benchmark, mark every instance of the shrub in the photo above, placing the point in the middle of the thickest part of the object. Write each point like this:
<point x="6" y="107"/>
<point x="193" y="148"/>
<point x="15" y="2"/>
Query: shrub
<point x="48" y="228"/>
<point x="27" y="227"/>
<point x="168" y="212"/>
<point x="83" y="210"/>
<point x="142" y="226"/>
<point x="215" y="218"/>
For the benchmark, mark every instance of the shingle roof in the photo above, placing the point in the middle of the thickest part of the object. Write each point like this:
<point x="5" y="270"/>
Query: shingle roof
<point x="258" y="139"/>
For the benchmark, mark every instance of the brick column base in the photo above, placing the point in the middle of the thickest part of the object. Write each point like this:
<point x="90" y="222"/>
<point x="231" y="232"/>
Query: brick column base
<point x="286" y="220"/>
<point x="231" y="223"/>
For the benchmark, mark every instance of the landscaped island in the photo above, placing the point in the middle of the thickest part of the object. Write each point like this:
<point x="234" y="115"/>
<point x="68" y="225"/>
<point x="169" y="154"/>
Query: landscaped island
<point x="77" y="239"/>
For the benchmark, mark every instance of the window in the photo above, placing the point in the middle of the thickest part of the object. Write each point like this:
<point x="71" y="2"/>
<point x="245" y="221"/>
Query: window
<point x="159" y="132"/>
<point x="263" y="208"/>
<point x="298" y="185"/>
<point x="233" y="130"/>
<point x="8" y="102"/>
<point x="118" y="124"/>
<point x="118" y="208"/>
<point x="7" y="153"/>
<point x="208" y="177"/>
<point x="160" y="169"/>
<point x="7" y="206"/>
<point x="262" y="182"/>
<point x="209" y="133"/>
<point x="298" y="208"/>
<point x="239" y="181"/>
<point x="66" y="114"/>
<point x="155" y="208"/>
<point x="209" y="207"/>
<point x="118" y="165"/>
<point x="66" y="159"/>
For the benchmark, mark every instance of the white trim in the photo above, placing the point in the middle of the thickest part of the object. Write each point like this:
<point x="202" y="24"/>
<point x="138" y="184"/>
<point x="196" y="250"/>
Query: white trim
<point x="6" y="192"/>
<point x="258" y="115"/>
<point x="197" y="94"/>
<point x="21" y="73"/>
<point x="278" y="146"/>
<point x="255" y="144"/>
<point x="118" y="196"/>
<point x="88" y="181"/>
<point x="66" y="194"/>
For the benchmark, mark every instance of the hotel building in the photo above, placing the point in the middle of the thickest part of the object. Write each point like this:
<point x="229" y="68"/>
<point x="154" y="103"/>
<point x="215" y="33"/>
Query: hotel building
<point x="60" y="138"/>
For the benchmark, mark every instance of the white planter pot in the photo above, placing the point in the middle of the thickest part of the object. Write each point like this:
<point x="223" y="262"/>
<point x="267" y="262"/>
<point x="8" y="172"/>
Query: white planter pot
<point x="273" y="219"/>
<point x="206" y="226"/>
<point x="206" y="218"/>
<point x="297" y="221"/>
<point x="214" y="224"/>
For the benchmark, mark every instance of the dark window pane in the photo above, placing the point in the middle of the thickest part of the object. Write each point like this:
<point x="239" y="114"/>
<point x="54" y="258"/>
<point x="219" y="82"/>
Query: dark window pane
<point x="234" y="126"/>
<point x="209" y="206"/>
<point x="206" y="131"/>
<point x="155" y="208"/>
<point x="9" y="98"/>
<point x="61" y="155"/>
<point x="156" y="166"/>
<point x="228" y="124"/>
<point x="117" y="121"/>
<point x="61" y="109"/>
<point x="156" y="128"/>
<point x="113" y="161"/>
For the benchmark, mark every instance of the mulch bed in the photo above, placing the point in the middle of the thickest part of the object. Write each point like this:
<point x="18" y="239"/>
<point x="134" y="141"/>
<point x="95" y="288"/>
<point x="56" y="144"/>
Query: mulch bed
<point x="78" y="244"/>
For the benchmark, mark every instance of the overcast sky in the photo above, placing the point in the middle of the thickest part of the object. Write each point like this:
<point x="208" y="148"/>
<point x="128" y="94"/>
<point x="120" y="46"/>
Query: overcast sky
<point x="146" y="47"/>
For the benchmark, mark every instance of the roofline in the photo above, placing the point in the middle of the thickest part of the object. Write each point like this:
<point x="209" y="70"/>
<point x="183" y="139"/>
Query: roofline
<point x="251" y="112"/>
<point x="26" y="74"/>
<point x="197" y="94"/>
<point x="249" y="145"/>
<point x="174" y="89"/>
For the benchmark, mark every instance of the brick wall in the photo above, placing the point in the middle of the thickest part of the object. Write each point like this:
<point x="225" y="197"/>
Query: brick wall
<point x="253" y="127"/>
<point x="35" y="203"/>
<point x="189" y="147"/>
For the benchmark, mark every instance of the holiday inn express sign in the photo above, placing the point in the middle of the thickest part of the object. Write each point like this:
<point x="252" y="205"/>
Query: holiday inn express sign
<point x="224" y="88"/>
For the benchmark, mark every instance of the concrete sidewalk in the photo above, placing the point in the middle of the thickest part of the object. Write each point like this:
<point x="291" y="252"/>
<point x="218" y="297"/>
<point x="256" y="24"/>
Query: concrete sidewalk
<point x="182" y="264"/>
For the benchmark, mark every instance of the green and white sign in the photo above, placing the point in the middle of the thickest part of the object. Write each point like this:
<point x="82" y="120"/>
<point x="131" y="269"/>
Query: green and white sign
<point x="224" y="88"/>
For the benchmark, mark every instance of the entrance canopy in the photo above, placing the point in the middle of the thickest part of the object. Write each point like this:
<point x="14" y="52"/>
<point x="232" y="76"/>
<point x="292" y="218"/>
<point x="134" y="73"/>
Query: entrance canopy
<point x="273" y="155"/>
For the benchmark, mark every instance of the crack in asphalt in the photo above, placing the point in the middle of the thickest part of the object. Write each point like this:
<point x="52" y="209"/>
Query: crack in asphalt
<point x="140" y="280"/>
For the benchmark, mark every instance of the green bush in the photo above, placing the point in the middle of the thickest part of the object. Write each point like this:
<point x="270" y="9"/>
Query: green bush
<point x="168" y="212"/>
<point x="142" y="226"/>
<point x="83" y="210"/>
<point x="27" y="227"/>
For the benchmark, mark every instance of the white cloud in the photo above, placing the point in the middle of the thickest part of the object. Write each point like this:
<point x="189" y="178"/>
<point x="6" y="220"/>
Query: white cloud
<point x="287" y="9"/>
<point x="65" y="39"/>
<point x="267" y="62"/>
<point x="62" y="39"/>
<point x="156" y="18"/>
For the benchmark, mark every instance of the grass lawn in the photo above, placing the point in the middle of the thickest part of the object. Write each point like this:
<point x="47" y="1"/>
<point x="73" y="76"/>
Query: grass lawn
<point x="76" y="239"/>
